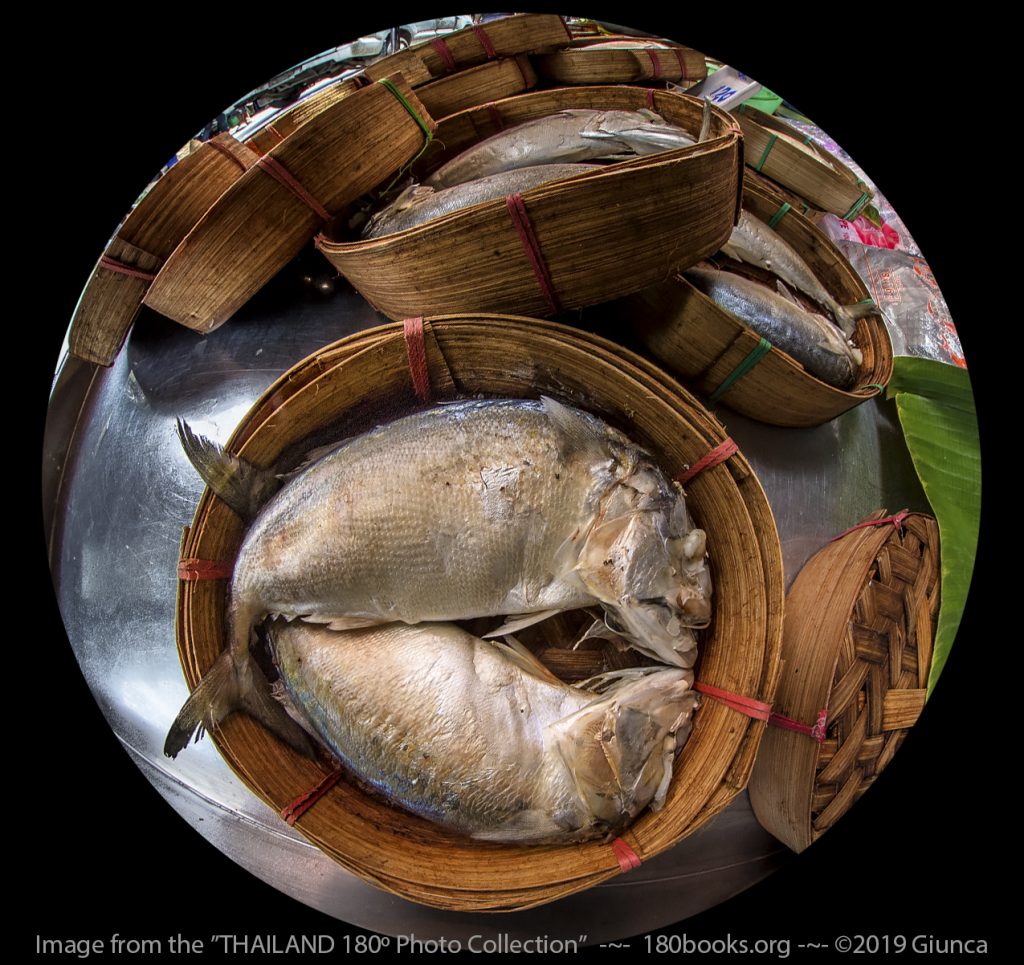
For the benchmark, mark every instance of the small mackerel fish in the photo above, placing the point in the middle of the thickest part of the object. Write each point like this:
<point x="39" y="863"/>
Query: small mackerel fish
<point x="470" y="736"/>
<point x="485" y="508"/>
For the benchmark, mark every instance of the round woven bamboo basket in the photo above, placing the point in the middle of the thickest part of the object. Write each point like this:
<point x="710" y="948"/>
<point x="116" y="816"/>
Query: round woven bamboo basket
<point x="706" y="345"/>
<point x="857" y="648"/>
<point x="277" y="206"/>
<point x="519" y="34"/>
<point x="584" y="63"/>
<point x="784" y="154"/>
<point x="292" y="119"/>
<point x="477" y="85"/>
<point x="364" y="379"/>
<point x="588" y="239"/>
<point x="147" y="237"/>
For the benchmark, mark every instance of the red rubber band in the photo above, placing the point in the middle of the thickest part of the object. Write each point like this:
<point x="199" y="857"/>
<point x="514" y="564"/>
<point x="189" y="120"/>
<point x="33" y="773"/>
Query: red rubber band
<point x="280" y="174"/>
<point x="416" y="350"/>
<point x="757" y="709"/>
<point x="292" y="812"/>
<point x="816" y="730"/>
<point x="719" y="454"/>
<point x="485" y="42"/>
<point x="112" y="264"/>
<point x="444" y="53"/>
<point x="241" y="158"/>
<point x="495" y="114"/>
<point x="650" y="98"/>
<point x="896" y="520"/>
<point x="628" y="859"/>
<point x="521" y="222"/>
<point x="683" y="75"/>
<point x="192" y="569"/>
<point x="273" y="130"/>
<point x="655" y="64"/>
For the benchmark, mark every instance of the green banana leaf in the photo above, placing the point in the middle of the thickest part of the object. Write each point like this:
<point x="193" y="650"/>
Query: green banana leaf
<point x="936" y="410"/>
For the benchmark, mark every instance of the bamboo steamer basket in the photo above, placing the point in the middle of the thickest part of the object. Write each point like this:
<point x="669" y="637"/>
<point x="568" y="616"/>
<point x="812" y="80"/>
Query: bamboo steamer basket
<point x="477" y="85"/>
<point x="520" y="34"/>
<point x="706" y="345"/>
<point x="859" y="628"/>
<point x="367" y="376"/>
<point x="782" y="153"/>
<point x="584" y="63"/>
<point x="292" y="119"/>
<point x="145" y="240"/>
<point x="259" y="224"/>
<point x="593" y="237"/>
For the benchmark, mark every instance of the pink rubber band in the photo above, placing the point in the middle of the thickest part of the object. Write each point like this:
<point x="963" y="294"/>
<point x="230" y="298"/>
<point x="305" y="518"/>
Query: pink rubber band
<point x="444" y="53"/>
<point x="521" y="222"/>
<point x="112" y="264"/>
<point x="239" y="157"/>
<point x="495" y="115"/>
<point x="485" y="42"/>
<point x="757" y="709"/>
<point x="719" y="454"/>
<point x="292" y="812"/>
<point x="280" y="174"/>
<point x="816" y="730"/>
<point x="416" y="350"/>
<point x="650" y="98"/>
<point x="682" y="64"/>
<point x="655" y="64"/>
<point x="896" y="520"/>
<point x="192" y="569"/>
<point x="626" y="856"/>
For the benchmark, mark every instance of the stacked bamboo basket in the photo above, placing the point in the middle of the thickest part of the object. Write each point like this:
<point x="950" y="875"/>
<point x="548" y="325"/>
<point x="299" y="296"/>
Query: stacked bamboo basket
<point x="706" y="345"/>
<point x="630" y="61"/>
<point x="367" y="374"/>
<point x="857" y="648"/>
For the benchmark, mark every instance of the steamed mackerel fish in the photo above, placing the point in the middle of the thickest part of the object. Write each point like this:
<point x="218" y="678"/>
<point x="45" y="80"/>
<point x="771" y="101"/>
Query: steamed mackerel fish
<point x="563" y="137"/>
<point x="480" y="508"/>
<point x="810" y="339"/>
<point x="420" y="203"/>
<point x="755" y="243"/>
<point x="467" y="735"/>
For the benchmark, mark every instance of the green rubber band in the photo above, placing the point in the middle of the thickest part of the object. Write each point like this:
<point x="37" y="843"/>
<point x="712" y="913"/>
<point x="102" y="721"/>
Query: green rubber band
<point x="759" y="352"/>
<point x="808" y="139"/>
<point x="870" y="385"/>
<point x="857" y="205"/>
<point x="866" y="301"/>
<point x="806" y="208"/>
<point x="764" y="157"/>
<point x="779" y="215"/>
<point x="405" y="103"/>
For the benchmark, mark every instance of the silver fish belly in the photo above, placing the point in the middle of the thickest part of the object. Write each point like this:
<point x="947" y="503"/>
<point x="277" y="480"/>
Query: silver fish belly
<point x="810" y="339"/>
<point x="450" y="728"/>
<point x="419" y="203"/>
<point x="566" y="136"/>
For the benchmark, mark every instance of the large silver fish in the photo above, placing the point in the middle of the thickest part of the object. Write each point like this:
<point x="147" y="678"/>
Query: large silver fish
<point x="755" y="243"/>
<point x="420" y="203"/>
<point x="470" y="736"/>
<point x="482" y="508"/>
<point x="566" y="136"/>
<point x="810" y="339"/>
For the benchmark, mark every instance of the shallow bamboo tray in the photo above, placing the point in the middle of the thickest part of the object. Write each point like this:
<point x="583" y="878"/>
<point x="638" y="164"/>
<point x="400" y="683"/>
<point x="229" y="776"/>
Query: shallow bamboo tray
<point x="704" y="344"/>
<point x="366" y="379"/>
<point x="147" y="237"/>
<point x="860" y="622"/>
<point x="600" y="235"/>
<point x="477" y="85"/>
<point x="292" y="119"/>
<point x="259" y="225"/>
<point x="804" y="170"/>
<point x="582" y="63"/>
<point x="520" y="34"/>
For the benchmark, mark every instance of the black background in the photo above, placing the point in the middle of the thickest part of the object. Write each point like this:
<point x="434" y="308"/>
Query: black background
<point x="110" y="98"/>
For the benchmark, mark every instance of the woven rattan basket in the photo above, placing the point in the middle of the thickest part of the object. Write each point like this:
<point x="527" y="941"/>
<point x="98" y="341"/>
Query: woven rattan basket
<point x="520" y="34"/>
<point x="147" y="237"/>
<point x="477" y="85"/>
<point x="584" y="63"/>
<point x="594" y="237"/>
<point x="860" y="620"/>
<point x="706" y="346"/>
<point x="367" y="375"/>
<point x="784" y="154"/>
<point x="276" y="207"/>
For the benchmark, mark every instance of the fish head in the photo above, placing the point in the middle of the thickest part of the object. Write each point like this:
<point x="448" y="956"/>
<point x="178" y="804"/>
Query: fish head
<point x="645" y="562"/>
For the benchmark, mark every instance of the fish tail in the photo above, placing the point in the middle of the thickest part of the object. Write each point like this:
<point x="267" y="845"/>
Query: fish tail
<point x="240" y="484"/>
<point x="847" y="316"/>
<point x="216" y="696"/>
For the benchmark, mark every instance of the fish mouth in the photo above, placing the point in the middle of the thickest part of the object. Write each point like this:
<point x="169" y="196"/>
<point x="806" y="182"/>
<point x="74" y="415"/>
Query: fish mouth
<point x="656" y="629"/>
